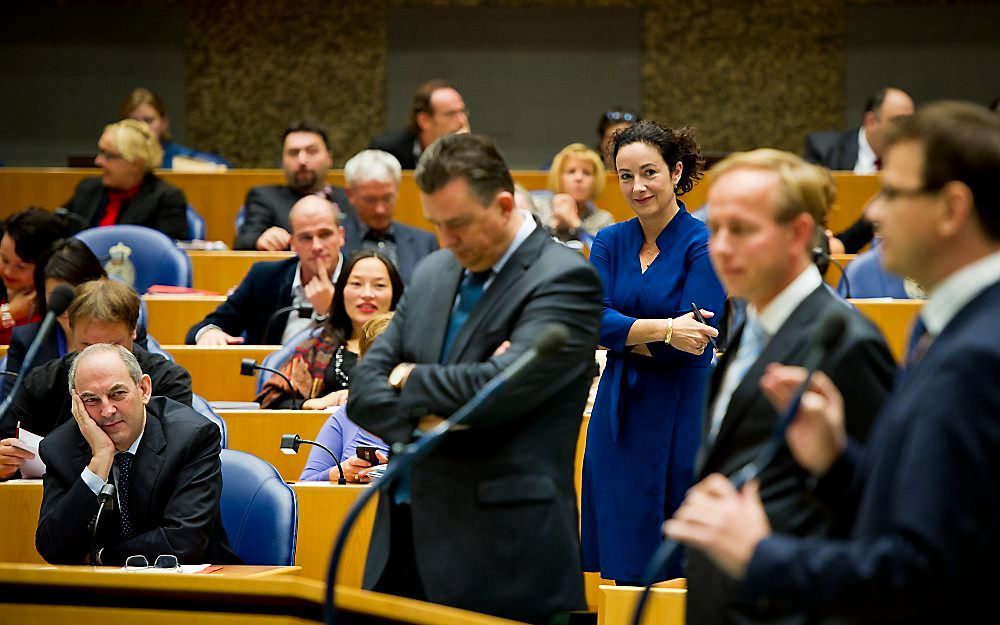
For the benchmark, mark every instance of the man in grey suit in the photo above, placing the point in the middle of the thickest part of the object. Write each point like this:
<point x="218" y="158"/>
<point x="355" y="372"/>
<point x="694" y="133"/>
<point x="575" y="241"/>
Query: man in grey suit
<point x="488" y="522"/>
<point x="764" y="207"/>
<point x="373" y="178"/>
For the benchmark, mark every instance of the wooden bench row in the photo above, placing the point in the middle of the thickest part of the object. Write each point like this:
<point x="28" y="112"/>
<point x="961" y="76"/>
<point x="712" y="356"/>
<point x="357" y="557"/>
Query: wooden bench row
<point x="218" y="196"/>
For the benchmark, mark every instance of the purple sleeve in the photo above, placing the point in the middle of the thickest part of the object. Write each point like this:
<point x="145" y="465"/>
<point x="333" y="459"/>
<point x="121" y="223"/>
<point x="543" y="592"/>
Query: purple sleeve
<point x="320" y="463"/>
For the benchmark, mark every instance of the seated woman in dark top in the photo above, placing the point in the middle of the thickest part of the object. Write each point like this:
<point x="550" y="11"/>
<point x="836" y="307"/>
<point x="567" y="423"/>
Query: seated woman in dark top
<point x="320" y="368"/>
<point x="26" y="237"/>
<point x="128" y="192"/>
<point x="147" y="106"/>
<point x="68" y="262"/>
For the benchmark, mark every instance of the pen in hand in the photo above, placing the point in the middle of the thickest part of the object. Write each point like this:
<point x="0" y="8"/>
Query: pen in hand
<point x="701" y="319"/>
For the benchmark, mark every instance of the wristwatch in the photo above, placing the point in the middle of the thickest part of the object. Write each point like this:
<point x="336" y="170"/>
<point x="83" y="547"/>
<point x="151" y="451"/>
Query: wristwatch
<point x="399" y="374"/>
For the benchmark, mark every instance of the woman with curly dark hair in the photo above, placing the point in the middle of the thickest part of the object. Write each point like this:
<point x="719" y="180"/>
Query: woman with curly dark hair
<point x="320" y="368"/>
<point x="645" y="427"/>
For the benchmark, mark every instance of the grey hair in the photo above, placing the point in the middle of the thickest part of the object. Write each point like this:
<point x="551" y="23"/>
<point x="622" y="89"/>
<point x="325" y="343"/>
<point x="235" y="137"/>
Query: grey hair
<point x="372" y="166"/>
<point x="134" y="370"/>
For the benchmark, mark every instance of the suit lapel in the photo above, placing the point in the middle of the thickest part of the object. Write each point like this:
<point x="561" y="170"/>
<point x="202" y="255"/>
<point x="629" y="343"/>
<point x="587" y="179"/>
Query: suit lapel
<point x="785" y="346"/>
<point x="148" y="462"/>
<point x="511" y="273"/>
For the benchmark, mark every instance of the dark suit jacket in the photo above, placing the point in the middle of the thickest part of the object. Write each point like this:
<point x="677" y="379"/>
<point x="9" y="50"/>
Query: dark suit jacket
<point x="833" y="149"/>
<point x="174" y="494"/>
<point x="923" y="495"/>
<point x="158" y="205"/>
<point x="862" y="366"/>
<point x="412" y="245"/>
<point x="495" y="525"/>
<point x="399" y="143"/>
<point x="43" y="403"/>
<point x="266" y="288"/>
<point x="269" y="206"/>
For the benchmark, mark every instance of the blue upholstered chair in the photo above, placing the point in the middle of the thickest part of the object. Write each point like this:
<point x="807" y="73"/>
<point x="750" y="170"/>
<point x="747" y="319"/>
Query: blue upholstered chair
<point x="155" y="257"/>
<point x="198" y="403"/>
<point x="278" y="358"/>
<point x="241" y="216"/>
<point x="259" y="511"/>
<point x="196" y="224"/>
<point x="869" y="280"/>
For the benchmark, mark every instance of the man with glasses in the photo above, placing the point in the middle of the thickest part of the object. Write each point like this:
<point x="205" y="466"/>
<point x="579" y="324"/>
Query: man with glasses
<point x="437" y="110"/>
<point x="922" y="495"/>
<point x="161" y="456"/>
<point x="373" y="178"/>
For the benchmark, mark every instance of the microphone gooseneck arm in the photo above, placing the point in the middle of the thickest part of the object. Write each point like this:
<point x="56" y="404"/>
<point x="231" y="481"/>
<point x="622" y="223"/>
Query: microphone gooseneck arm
<point x="549" y="340"/>
<point x="820" y="252"/>
<point x="302" y="310"/>
<point x="106" y="493"/>
<point x="343" y="480"/>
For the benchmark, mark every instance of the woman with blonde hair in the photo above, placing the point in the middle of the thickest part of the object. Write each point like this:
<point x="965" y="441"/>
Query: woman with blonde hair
<point x="127" y="192"/>
<point x="577" y="177"/>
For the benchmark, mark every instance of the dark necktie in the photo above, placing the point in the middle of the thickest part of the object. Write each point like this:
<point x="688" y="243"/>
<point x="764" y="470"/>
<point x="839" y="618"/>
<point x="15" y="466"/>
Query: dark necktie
<point x="115" y="200"/>
<point x="470" y="291"/>
<point x="124" y="461"/>
<point x="920" y="340"/>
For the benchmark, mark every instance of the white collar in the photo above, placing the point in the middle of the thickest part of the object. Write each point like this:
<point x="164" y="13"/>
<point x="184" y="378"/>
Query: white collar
<point x="523" y="232"/>
<point x="135" y="446"/>
<point x="777" y="311"/>
<point x="866" y="155"/>
<point x="957" y="290"/>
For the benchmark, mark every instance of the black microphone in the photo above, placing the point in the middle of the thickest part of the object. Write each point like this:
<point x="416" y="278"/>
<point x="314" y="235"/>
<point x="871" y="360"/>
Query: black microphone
<point x="831" y="329"/>
<point x="549" y="341"/>
<point x="58" y="301"/>
<point x="819" y="252"/>
<point x="290" y="445"/>
<point x="304" y="311"/>
<point x="106" y="493"/>
<point x="249" y="365"/>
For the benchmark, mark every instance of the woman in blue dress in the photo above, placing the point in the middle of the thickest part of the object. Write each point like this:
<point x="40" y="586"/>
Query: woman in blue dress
<point x="646" y="423"/>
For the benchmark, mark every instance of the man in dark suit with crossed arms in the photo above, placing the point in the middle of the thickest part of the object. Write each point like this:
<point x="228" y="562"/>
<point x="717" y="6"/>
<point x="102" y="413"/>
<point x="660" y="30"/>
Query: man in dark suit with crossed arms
<point x="488" y="522"/>
<point x="764" y="207"/>
<point x="923" y="493"/>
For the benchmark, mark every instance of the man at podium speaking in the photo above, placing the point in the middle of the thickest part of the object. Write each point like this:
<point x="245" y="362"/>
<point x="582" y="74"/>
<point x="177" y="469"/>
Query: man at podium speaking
<point x="488" y="522"/>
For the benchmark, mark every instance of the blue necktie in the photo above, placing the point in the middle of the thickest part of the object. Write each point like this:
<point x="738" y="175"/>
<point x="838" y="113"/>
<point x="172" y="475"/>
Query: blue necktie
<point x="470" y="291"/>
<point x="124" y="461"/>
<point x="919" y="341"/>
<point x="752" y="342"/>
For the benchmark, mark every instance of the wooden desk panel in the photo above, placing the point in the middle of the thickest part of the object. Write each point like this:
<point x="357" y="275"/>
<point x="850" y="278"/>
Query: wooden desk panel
<point x="215" y="371"/>
<point x="169" y="317"/>
<point x="895" y="318"/>
<point x="21" y="501"/>
<point x="221" y="271"/>
<point x="834" y="273"/>
<point x="666" y="606"/>
<point x="259" y="432"/>
<point x="218" y="196"/>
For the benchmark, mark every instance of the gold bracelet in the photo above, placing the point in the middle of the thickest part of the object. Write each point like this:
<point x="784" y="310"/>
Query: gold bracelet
<point x="670" y="331"/>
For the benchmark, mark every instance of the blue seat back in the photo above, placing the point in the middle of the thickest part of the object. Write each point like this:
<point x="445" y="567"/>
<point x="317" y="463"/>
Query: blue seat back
<point x="201" y="405"/>
<point x="259" y="511"/>
<point x="155" y="257"/>
<point x="241" y="216"/>
<point x="867" y="278"/>
<point x="196" y="224"/>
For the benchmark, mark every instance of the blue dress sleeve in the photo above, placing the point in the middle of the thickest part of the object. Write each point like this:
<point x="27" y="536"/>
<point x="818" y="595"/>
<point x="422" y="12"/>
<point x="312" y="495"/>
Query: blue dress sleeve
<point x="320" y="463"/>
<point x="701" y="287"/>
<point x="614" y="325"/>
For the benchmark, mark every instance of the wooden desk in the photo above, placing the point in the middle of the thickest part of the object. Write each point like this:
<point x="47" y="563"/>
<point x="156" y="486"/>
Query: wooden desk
<point x="895" y="318"/>
<point x="666" y="606"/>
<point x="833" y="272"/>
<point x="322" y="508"/>
<point x="221" y="271"/>
<point x="215" y="371"/>
<point x="31" y="595"/>
<point x="169" y="317"/>
<point x="218" y="196"/>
